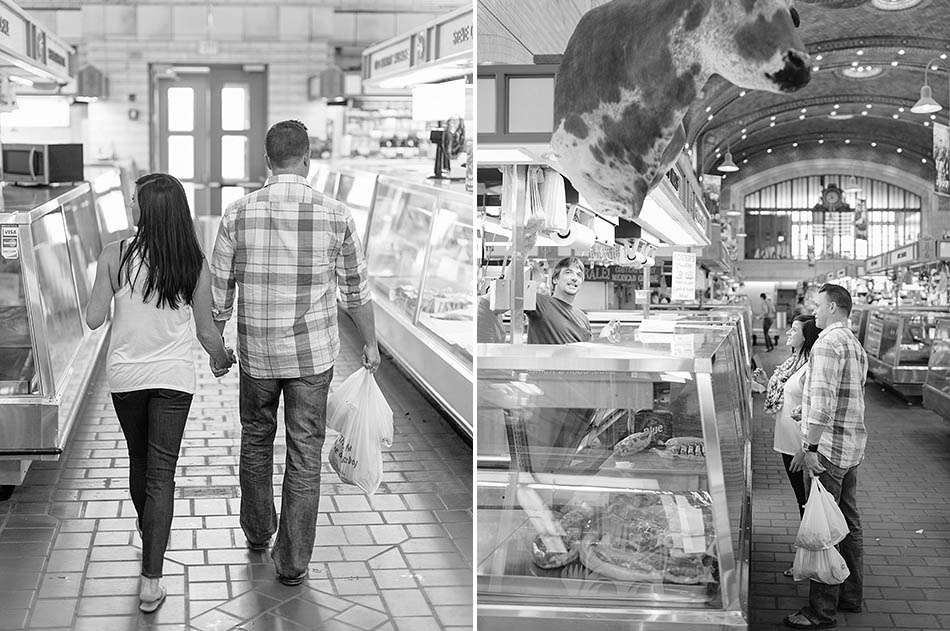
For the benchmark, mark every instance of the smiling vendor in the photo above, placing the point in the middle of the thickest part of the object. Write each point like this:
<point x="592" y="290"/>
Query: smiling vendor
<point x="555" y="319"/>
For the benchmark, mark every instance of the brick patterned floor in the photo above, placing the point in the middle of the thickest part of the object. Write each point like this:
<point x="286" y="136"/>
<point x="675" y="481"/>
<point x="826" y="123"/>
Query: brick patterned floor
<point x="904" y="499"/>
<point x="398" y="560"/>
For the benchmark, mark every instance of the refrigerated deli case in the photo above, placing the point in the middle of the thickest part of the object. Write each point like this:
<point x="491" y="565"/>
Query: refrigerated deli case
<point x="418" y="240"/>
<point x="614" y="483"/>
<point x="898" y="344"/>
<point x="51" y="239"/>
<point x="936" y="390"/>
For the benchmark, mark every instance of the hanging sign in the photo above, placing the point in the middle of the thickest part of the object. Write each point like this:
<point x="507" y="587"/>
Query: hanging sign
<point x="9" y="243"/>
<point x="457" y="35"/>
<point x="942" y="158"/>
<point x="684" y="276"/>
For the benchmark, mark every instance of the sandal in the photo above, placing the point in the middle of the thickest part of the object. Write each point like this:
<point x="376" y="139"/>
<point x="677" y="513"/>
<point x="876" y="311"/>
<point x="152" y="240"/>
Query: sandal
<point x="798" y="620"/>
<point x="789" y="573"/>
<point x="149" y="606"/>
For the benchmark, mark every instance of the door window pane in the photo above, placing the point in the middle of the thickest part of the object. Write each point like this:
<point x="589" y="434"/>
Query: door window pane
<point x="181" y="157"/>
<point x="530" y="104"/>
<point x="190" y="194"/>
<point x="234" y="157"/>
<point x="235" y="110"/>
<point x="181" y="109"/>
<point x="230" y="194"/>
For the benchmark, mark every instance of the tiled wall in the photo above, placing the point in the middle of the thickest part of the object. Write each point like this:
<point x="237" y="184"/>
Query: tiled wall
<point x="295" y="40"/>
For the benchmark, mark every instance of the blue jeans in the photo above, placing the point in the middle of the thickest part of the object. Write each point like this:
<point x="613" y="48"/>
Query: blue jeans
<point x="153" y="422"/>
<point x="305" y="407"/>
<point x="824" y="600"/>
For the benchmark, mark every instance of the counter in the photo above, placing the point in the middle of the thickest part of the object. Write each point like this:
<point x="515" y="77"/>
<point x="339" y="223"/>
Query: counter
<point x="582" y="526"/>
<point x="936" y="390"/>
<point x="51" y="240"/>
<point x="418" y="238"/>
<point x="898" y="343"/>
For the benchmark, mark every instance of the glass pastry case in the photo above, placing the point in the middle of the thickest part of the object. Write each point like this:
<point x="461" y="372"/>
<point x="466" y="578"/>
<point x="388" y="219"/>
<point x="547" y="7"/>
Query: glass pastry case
<point x="898" y="344"/>
<point x="614" y="482"/>
<point x="419" y="245"/>
<point x="859" y="320"/>
<point x="936" y="389"/>
<point x="51" y="240"/>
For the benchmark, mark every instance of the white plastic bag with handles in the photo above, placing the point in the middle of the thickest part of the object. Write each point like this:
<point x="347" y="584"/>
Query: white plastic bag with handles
<point x="824" y="566"/>
<point x="823" y="524"/>
<point x="365" y="421"/>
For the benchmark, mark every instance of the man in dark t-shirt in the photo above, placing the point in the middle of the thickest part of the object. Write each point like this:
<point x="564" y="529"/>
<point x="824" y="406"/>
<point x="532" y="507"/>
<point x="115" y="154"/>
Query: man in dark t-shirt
<point x="555" y="432"/>
<point x="555" y="319"/>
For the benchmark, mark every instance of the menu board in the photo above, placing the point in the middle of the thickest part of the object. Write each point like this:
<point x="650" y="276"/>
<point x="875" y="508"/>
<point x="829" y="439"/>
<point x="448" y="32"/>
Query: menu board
<point x="872" y="336"/>
<point x="684" y="276"/>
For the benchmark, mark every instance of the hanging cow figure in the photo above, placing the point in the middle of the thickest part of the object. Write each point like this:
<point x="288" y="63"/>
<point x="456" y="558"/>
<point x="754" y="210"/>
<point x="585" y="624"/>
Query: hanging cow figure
<point x="631" y="70"/>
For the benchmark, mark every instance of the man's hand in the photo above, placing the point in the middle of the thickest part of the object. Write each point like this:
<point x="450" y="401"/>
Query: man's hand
<point x="807" y="461"/>
<point x="371" y="357"/>
<point x="219" y="370"/>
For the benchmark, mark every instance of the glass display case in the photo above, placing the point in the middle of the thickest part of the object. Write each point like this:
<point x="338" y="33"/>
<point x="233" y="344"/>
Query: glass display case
<point x="51" y="239"/>
<point x="898" y="344"/>
<point x="614" y="482"/>
<point x="418" y="240"/>
<point x="859" y="320"/>
<point x="936" y="389"/>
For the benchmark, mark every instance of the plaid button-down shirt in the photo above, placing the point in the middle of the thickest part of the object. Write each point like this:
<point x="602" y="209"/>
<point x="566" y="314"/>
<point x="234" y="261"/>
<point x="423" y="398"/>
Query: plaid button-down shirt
<point x="833" y="395"/>
<point x="287" y="248"/>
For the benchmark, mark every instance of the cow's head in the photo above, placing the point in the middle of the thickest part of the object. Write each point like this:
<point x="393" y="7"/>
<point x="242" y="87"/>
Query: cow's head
<point x="755" y="44"/>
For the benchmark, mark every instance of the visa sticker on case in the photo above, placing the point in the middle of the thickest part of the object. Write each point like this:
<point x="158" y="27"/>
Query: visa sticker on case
<point x="9" y="242"/>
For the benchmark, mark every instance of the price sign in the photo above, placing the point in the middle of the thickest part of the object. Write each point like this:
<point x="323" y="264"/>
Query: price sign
<point x="684" y="276"/>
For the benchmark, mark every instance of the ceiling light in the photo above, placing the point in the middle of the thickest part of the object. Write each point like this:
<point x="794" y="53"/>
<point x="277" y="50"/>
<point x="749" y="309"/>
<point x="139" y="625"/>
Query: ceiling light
<point x="847" y="141"/>
<point x="771" y="118"/>
<point x="741" y="235"/>
<point x="742" y="93"/>
<point x="794" y="144"/>
<point x="746" y="161"/>
<point x="899" y="150"/>
<point x="933" y="117"/>
<point x="745" y="129"/>
<point x="744" y="136"/>
<point x="923" y="160"/>
<point x="769" y="150"/>
<point x="815" y="68"/>
<point x="934" y="67"/>
<point x="732" y="212"/>
<point x="869" y="106"/>
<point x="864" y="113"/>
<point x="873" y="144"/>
<point x="710" y="117"/>
<point x="900" y="109"/>
<point x="821" y="141"/>
<point x="926" y="123"/>
<point x="728" y="165"/>
<point x="772" y="124"/>
<point x="859" y="53"/>
<point x="894" y="63"/>
<point x="833" y="113"/>
<point x="801" y="117"/>
<point x="804" y="109"/>
<point x="926" y="103"/>
<point x="837" y="106"/>
<point x="854" y="64"/>
<point x="895" y="116"/>
<point x="943" y="55"/>
<point x="819" y="57"/>
<point x="901" y="51"/>
<point x="708" y="108"/>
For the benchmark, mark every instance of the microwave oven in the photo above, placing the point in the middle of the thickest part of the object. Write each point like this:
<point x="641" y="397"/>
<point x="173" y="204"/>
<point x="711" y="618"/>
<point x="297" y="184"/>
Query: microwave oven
<point x="42" y="163"/>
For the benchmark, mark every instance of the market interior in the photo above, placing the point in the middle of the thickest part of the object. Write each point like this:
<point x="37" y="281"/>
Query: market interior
<point x="845" y="180"/>
<point x="94" y="95"/>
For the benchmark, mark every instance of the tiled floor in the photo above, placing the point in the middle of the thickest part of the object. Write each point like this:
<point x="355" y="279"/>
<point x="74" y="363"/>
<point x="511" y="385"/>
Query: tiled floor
<point x="400" y="559"/>
<point x="904" y="501"/>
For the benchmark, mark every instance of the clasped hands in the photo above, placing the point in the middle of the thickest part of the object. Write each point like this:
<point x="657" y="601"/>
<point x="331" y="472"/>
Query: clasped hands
<point x="219" y="370"/>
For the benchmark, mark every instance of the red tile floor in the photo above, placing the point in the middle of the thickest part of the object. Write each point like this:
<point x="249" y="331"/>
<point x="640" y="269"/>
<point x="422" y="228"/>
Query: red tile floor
<point x="904" y="501"/>
<point x="398" y="560"/>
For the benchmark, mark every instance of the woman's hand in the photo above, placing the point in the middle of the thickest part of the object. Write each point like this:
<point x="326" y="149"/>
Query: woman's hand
<point x="218" y="368"/>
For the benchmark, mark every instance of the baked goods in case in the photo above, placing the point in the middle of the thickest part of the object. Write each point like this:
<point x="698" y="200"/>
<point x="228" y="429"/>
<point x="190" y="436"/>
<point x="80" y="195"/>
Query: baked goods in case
<point x="632" y="444"/>
<point x="691" y="447"/>
<point x="548" y="559"/>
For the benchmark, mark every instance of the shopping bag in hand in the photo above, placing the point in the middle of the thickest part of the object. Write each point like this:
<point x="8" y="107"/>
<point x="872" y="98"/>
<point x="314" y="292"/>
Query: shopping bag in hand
<point x="365" y="426"/>
<point x="823" y="524"/>
<point x="342" y="401"/>
<point x="824" y="566"/>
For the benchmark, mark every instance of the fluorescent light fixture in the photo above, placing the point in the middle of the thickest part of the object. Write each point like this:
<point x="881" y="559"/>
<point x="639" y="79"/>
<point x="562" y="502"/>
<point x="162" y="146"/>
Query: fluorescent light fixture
<point x="429" y="74"/>
<point x="662" y="224"/>
<point x="484" y="155"/>
<point x="21" y="81"/>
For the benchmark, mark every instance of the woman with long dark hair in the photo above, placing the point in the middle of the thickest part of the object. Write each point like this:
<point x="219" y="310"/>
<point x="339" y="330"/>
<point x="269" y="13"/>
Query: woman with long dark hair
<point x="783" y="399"/>
<point x="161" y="288"/>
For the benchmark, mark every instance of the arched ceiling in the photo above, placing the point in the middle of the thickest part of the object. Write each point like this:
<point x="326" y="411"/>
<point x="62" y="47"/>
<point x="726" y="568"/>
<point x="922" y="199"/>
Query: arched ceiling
<point x="841" y="35"/>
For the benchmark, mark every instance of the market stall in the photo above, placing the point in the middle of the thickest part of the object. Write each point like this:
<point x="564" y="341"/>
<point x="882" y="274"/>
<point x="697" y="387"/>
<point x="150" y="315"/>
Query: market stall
<point x="898" y="344"/>
<point x="52" y="237"/>
<point x="417" y="235"/>
<point x="936" y="389"/>
<point x="637" y="516"/>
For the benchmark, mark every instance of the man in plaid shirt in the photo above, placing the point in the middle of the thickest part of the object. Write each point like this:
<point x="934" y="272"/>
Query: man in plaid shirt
<point x="834" y="437"/>
<point x="288" y="249"/>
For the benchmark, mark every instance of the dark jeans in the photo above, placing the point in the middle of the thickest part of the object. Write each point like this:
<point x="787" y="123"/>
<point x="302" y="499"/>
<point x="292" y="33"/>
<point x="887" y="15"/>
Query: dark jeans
<point x="798" y="484"/>
<point x="305" y="407"/>
<point x="153" y="422"/>
<point x="766" y="325"/>
<point x="824" y="600"/>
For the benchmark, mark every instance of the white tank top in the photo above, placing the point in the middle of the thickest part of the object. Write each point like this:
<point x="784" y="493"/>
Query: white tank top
<point x="150" y="347"/>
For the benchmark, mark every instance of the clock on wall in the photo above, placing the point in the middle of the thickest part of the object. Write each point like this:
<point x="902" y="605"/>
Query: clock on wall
<point x="832" y="197"/>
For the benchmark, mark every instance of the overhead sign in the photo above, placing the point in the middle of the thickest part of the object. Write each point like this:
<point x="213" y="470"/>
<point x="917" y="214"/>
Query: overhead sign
<point x="904" y="255"/>
<point x="390" y="59"/>
<point x="13" y="30"/>
<point x="875" y="264"/>
<point x="684" y="276"/>
<point x="456" y="36"/>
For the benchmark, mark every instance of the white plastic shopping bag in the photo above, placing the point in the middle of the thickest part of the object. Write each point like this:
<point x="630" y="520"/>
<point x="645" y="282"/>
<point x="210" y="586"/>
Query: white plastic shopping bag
<point x="824" y="566"/>
<point x="823" y="524"/>
<point x="365" y="423"/>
